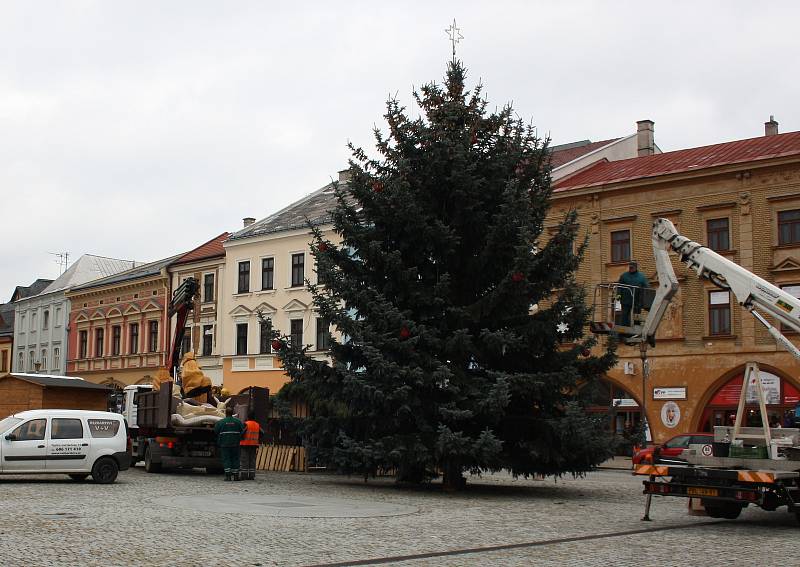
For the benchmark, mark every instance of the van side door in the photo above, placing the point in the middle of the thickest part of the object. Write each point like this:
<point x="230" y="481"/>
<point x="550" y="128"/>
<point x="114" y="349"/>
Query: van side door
<point x="24" y="447"/>
<point x="68" y="445"/>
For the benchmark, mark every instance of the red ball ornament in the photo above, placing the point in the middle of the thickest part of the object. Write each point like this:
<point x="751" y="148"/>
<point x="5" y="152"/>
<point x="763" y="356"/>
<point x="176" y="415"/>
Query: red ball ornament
<point x="322" y="247"/>
<point x="517" y="277"/>
<point x="586" y="352"/>
<point x="276" y="344"/>
<point x="404" y="333"/>
<point x="377" y="186"/>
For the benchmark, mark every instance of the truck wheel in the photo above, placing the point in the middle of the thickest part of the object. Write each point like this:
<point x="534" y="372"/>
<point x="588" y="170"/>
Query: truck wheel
<point x="727" y="510"/>
<point x="731" y="510"/>
<point x="105" y="470"/>
<point x="78" y="477"/>
<point x="149" y="465"/>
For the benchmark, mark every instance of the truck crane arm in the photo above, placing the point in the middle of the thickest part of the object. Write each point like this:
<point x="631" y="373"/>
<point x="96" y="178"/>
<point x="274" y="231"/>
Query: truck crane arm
<point x="753" y="293"/>
<point x="182" y="303"/>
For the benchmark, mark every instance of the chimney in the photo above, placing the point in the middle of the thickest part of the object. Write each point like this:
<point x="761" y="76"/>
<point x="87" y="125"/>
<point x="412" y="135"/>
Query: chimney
<point x="247" y="221"/>
<point x="645" y="143"/>
<point x="345" y="175"/>
<point x="771" y="127"/>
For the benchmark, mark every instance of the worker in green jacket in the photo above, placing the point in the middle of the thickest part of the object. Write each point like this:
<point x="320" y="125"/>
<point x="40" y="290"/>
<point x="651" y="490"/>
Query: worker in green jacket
<point x="630" y="297"/>
<point x="229" y="433"/>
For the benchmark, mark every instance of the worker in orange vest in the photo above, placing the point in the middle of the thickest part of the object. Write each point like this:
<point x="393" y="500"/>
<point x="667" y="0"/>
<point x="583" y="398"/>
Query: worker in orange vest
<point x="251" y="438"/>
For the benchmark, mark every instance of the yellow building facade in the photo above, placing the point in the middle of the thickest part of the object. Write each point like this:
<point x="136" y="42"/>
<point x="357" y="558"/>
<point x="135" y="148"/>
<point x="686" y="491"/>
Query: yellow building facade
<point x="743" y="200"/>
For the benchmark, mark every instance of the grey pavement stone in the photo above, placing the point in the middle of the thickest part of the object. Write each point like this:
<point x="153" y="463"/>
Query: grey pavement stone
<point x="53" y="521"/>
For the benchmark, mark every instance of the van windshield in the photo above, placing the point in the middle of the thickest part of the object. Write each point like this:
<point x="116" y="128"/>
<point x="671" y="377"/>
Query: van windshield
<point x="8" y="423"/>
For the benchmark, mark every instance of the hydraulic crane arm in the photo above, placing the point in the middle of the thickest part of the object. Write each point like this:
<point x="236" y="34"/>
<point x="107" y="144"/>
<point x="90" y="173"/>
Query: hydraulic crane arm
<point x="181" y="304"/>
<point x="753" y="293"/>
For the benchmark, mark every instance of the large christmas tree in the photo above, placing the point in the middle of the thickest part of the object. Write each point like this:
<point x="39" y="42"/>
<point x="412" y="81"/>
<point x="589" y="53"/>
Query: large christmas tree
<point x="460" y="340"/>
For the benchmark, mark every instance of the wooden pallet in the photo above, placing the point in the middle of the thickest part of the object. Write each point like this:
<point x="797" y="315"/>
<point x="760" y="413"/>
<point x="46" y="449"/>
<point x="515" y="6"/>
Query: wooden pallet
<point x="285" y="458"/>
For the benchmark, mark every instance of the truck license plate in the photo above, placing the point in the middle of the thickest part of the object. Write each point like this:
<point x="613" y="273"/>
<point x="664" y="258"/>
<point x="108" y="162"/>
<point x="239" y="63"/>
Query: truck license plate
<point x="695" y="491"/>
<point x="200" y="453"/>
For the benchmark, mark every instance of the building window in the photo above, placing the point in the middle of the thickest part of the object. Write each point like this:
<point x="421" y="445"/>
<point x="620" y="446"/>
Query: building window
<point x="57" y="358"/>
<point x="22" y="323"/>
<point x="621" y="246"/>
<point x="31" y="361"/>
<point x="43" y="360"/>
<point x="298" y="270"/>
<point x="323" y="334"/>
<point x="718" y="234"/>
<point x="83" y="340"/>
<point x="33" y="321"/>
<point x="208" y="339"/>
<point x="719" y="313"/>
<point x="208" y="288"/>
<point x="789" y="227"/>
<point x="296" y="333"/>
<point x="57" y="320"/>
<point x="4" y="361"/>
<point x="116" y="339"/>
<point x="186" y="343"/>
<point x="265" y="341"/>
<point x="267" y="273"/>
<point x="45" y="320"/>
<point x="244" y="277"/>
<point x="134" y="332"/>
<point x="241" y="339"/>
<point x="98" y="342"/>
<point x="21" y="361"/>
<point x="153" y="336"/>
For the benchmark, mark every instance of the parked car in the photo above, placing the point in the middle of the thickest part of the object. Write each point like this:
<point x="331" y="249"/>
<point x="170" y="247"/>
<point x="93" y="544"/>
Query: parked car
<point x="72" y="442"/>
<point x="670" y="450"/>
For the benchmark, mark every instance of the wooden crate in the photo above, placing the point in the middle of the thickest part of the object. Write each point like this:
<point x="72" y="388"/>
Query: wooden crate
<point x="285" y="458"/>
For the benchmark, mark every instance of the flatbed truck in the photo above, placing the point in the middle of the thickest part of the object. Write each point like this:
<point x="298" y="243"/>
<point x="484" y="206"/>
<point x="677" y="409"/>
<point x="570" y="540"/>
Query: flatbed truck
<point x="163" y="445"/>
<point x="155" y="438"/>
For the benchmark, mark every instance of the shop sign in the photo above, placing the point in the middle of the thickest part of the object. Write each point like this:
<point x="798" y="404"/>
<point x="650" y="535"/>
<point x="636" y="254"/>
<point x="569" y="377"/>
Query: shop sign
<point x="675" y="393"/>
<point x="770" y="385"/>
<point x="625" y="403"/>
<point x="728" y="395"/>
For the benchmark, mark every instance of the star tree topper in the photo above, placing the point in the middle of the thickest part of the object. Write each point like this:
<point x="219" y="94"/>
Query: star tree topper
<point x="455" y="36"/>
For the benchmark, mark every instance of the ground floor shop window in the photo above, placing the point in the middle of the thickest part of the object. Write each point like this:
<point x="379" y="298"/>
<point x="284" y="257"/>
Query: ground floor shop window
<point x="781" y="397"/>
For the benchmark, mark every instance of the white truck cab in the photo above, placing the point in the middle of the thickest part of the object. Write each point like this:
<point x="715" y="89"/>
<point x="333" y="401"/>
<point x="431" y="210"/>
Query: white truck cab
<point x="73" y="442"/>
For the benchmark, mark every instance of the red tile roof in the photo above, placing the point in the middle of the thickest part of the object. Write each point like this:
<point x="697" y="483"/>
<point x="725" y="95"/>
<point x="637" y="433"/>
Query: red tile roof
<point x="681" y="161"/>
<point x="559" y="156"/>
<point x="211" y="249"/>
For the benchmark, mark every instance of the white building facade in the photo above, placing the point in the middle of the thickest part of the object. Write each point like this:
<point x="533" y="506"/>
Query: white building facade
<point x="266" y="267"/>
<point x="41" y="321"/>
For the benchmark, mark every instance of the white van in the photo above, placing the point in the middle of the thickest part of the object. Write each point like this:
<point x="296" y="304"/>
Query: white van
<point x="73" y="442"/>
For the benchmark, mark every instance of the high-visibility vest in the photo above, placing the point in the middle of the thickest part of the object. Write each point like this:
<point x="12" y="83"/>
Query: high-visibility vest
<point x="250" y="436"/>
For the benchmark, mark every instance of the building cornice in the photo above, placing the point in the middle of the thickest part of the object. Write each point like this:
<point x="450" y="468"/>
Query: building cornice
<point x="161" y="278"/>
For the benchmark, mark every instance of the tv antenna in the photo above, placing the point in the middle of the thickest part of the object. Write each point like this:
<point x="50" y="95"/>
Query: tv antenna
<point x="62" y="259"/>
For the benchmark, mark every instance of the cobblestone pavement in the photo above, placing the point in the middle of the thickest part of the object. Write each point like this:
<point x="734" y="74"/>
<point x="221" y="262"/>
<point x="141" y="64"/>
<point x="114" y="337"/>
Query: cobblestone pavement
<point x="592" y="521"/>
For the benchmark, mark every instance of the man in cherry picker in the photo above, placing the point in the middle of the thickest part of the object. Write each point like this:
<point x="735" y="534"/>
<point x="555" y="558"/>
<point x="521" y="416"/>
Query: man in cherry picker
<point x="630" y="298"/>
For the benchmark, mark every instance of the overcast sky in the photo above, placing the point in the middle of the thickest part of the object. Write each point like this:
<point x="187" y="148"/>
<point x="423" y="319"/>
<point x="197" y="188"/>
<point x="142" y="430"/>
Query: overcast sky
<point x="138" y="130"/>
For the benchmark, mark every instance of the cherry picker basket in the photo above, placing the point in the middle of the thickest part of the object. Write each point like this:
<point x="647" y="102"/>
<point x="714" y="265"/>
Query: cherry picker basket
<point x="619" y="309"/>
